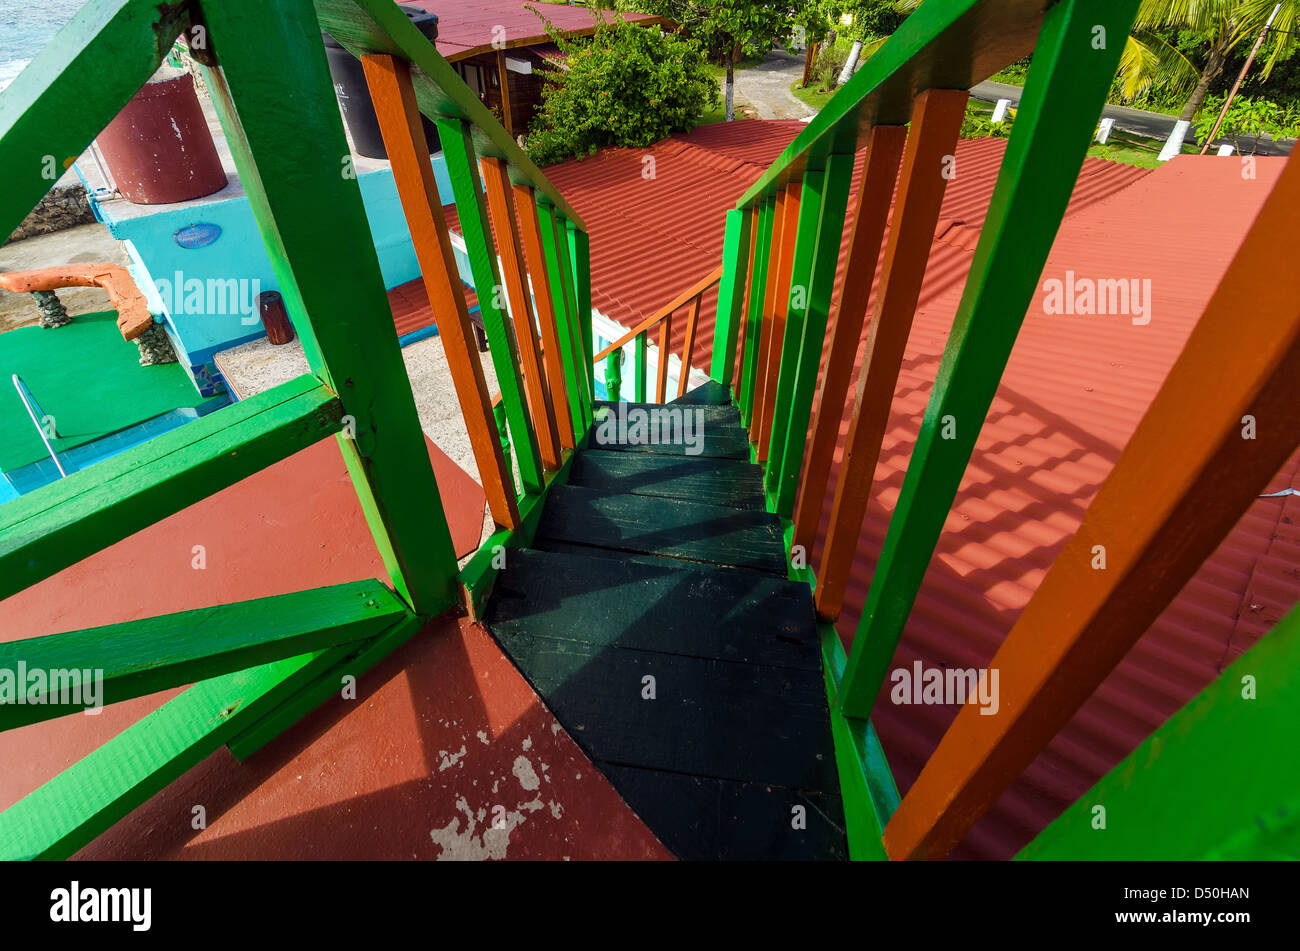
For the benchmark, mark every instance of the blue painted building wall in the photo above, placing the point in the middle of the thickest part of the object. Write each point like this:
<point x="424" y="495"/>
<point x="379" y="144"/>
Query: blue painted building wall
<point x="238" y="254"/>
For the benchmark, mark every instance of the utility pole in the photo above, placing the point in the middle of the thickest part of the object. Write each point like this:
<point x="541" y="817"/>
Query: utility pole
<point x="1240" y="76"/>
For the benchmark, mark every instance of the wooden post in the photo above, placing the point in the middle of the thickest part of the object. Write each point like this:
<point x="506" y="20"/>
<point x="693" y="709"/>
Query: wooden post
<point x="562" y="386"/>
<point x="936" y="120"/>
<point x="502" y="208"/>
<point x="870" y="215"/>
<point x="665" y="334"/>
<point x="503" y="78"/>
<point x="754" y="322"/>
<point x="688" y="345"/>
<point x="325" y="264"/>
<point x="580" y="266"/>
<point x="820" y="232"/>
<point x="1064" y="95"/>
<point x="778" y="309"/>
<point x="809" y="58"/>
<point x="731" y="294"/>
<point x="771" y="276"/>
<point x="753" y="214"/>
<point x="1238" y="377"/>
<point x="462" y="169"/>
<point x="570" y="351"/>
<point x="389" y="80"/>
<point x="639" y="369"/>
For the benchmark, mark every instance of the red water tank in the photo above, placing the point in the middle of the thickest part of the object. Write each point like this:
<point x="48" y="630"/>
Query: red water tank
<point x="159" y="149"/>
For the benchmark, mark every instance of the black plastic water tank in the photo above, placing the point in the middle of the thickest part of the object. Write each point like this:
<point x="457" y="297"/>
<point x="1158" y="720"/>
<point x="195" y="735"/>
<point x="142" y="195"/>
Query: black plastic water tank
<point x="354" y="96"/>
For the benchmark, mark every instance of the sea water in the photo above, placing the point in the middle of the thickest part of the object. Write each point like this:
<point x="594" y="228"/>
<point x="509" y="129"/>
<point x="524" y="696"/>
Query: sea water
<point x="27" y="27"/>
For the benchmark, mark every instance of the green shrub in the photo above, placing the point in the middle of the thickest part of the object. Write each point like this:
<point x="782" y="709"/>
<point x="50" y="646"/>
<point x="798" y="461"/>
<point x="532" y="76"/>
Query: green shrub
<point x="624" y="86"/>
<point x="976" y="125"/>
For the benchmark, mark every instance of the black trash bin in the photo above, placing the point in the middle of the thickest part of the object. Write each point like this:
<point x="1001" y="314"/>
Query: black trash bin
<point x="354" y="96"/>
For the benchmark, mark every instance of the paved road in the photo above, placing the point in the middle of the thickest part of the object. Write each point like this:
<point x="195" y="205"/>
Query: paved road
<point x="1155" y="125"/>
<point x="766" y="87"/>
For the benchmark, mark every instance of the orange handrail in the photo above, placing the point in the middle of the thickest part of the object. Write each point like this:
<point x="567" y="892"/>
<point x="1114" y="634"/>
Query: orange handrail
<point x="685" y="297"/>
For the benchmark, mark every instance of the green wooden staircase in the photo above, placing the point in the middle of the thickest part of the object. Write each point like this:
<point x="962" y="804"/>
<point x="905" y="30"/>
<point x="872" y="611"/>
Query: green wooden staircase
<point x="653" y="614"/>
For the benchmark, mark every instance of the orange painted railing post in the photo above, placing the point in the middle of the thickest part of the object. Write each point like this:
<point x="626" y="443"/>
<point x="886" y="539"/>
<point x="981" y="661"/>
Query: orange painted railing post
<point x="778" y="304"/>
<point x="501" y="207"/>
<point x="688" y="345"/>
<point x="389" y="80"/>
<point x="936" y="121"/>
<point x="665" y="334"/>
<point x="535" y="260"/>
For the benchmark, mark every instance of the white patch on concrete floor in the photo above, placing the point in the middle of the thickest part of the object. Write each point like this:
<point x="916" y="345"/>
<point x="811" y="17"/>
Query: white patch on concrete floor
<point x="451" y="759"/>
<point x="469" y="844"/>
<point x="483" y="737"/>
<point x="525" y="773"/>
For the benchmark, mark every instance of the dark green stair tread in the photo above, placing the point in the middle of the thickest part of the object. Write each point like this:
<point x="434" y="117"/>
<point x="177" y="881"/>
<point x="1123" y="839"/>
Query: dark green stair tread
<point x="711" y="393"/>
<point x="728" y="482"/>
<point x="594" y="551"/>
<point x="721" y="415"/>
<point x="699" y="818"/>
<point x="745" y="722"/>
<point x="667" y="527"/>
<point x="716" y="431"/>
<point x="715" y="613"/>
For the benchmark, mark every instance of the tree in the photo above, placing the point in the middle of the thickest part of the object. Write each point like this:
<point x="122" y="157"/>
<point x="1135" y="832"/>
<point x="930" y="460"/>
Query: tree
<point x="726" y="28"/>
<point x="625" y="85"/>
<point x="871" y="18"/>
<point x="1218" y="27"/>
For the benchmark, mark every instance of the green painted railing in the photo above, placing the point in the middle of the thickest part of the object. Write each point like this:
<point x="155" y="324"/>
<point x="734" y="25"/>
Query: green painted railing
<point x="260" y="665"/>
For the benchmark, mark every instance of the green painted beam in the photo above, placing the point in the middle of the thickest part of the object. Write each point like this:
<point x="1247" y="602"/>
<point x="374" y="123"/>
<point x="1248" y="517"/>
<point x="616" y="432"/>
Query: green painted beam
<point x="825" y="197"/>
<point x="462" y="169"/>
<point x="59" y="524"/>
<point x="1064" y="95"/>
<point x="580" y="350"/>
<point x="362" y="657"/>
<point x="143" y="657"/>
<point x="754" y="323"/>
<point x="575" y="367"/>
<point x="60" y="817"/>
<point x="639" y="368"/>
<point x="72" y="89"/>
<point x="731" y="295"/>
<point x="305" y="199"/>
<point x="950" y="45"/>
<point x="580" y="260"/>
<point x="1218" y="781"/>
<point x="377" y="26"/>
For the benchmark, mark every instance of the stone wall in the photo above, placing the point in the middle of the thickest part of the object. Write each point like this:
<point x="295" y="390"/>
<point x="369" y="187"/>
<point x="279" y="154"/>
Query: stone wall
<point x="63" y="207"/>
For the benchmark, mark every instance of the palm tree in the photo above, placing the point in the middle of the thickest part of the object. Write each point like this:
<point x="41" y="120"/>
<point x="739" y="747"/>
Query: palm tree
<point x="1149" y="60"/>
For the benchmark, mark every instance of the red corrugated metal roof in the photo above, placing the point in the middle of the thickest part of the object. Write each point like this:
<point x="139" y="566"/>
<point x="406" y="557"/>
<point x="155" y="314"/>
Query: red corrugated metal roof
<point x="1073" y="392"/>
<point x="466" y="29"/>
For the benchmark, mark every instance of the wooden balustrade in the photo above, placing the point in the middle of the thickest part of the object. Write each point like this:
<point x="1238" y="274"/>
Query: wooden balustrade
<point x="692" y="298"/>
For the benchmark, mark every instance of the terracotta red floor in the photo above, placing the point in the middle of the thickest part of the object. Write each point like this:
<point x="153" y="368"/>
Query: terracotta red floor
<point x="446" y="753"/>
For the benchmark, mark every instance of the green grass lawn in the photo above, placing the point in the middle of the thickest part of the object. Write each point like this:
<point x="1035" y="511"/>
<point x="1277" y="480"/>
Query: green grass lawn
<point x="812" y="96"/>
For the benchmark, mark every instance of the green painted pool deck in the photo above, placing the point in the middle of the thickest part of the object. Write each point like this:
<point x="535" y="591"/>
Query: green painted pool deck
<point x="654" y="616"/>
<point x="89" y="379"/>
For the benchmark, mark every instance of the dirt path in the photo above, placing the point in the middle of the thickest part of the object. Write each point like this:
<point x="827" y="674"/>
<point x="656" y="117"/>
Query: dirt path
<point x="767" y="87"/>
